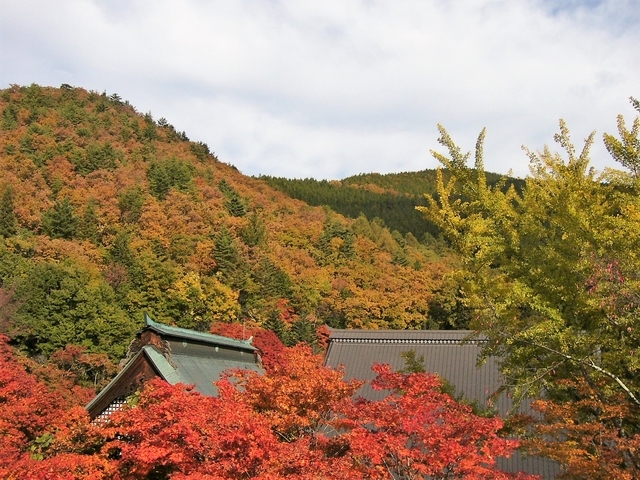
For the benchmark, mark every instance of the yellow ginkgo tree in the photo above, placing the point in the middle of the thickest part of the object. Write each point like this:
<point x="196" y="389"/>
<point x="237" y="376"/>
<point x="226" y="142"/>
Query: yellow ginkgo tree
<point x="551" y="273"/>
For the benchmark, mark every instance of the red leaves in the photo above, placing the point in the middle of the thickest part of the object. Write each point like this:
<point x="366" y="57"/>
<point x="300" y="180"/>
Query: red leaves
<point x="177" y="431"/>
<point x="297" y="395"/>
<point x="26" y="409"/>
<point x="296" y="422"/>
<point x="417" y="431"/>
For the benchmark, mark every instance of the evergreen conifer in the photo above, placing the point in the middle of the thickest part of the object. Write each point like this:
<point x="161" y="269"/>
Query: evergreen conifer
<point x="277" y="326"/>
<point x="230" y="265"/>
<point x="8" y="221"/>
<point x="60" y="221"/>
<point x="88" y="228"/>
<point x="303" y="330"/>
<point x="235" y="206"/>
<point x="254" y="233"/>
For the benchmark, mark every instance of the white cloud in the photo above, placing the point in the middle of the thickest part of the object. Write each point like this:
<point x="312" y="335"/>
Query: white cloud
<point x="329" y="89"/>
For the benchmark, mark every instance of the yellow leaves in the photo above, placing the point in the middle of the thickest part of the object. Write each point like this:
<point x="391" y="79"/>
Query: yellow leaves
<point x="182" y="214"/>
<point x="207" y="298"/>
<point x="189" y="287"/>
<point x="551" y="272"/>
<point x="152" y="223"/>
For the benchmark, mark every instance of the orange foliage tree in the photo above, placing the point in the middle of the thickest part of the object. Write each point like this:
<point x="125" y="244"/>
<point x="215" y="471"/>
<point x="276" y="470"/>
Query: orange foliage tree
<point x="592" y="436"/>
<point x="26" y="409"/>
<point x="297" y="396"/>
<point x="418" y="431"/>
<point x="34" y="419"/>
<point x="296" y="422"/>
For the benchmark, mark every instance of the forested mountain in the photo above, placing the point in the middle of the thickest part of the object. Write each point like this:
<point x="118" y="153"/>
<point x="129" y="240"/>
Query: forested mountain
<point x="108" y="213"/>
<point x="391" y="197"/>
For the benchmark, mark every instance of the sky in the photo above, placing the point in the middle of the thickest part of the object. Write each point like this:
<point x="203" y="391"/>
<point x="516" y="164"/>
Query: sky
<point x="332" y="88"/>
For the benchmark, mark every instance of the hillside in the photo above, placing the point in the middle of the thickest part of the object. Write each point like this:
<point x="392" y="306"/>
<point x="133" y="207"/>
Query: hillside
<point x="108" y="213"/>
<point x="391" y="197"/>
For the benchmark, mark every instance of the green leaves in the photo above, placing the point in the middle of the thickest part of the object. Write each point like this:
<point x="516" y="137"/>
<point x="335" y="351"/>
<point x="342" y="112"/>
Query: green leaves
<point x="233" y="203"/>
<point x="8" y="220"/>
<point x="626" y="149"/>
<point x="96" y="157"/>
<point x="60" y="221"/>
<point x="64" y="303"/>
<point x="550" y="273"/>
<point x="167" y="174"/>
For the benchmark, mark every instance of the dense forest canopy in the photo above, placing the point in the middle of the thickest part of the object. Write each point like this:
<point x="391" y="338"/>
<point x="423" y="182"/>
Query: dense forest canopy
<point x="390" y="198"/>
<point x="109" y="213"/>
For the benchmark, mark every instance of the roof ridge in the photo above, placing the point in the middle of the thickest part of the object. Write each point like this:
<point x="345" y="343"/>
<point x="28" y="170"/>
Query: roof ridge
<point x="407" y="336"/>
<point x="426" y="341"/>
<point x="163" y="328"/>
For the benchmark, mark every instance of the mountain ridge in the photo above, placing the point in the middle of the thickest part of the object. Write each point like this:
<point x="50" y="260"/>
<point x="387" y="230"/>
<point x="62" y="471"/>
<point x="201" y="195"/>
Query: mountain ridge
<point x="390" y="197"/>
<point x="110" y="213"/>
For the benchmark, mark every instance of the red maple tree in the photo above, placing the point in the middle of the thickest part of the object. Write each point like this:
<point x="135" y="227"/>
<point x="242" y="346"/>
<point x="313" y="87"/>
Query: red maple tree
<point x="298" y="421"/>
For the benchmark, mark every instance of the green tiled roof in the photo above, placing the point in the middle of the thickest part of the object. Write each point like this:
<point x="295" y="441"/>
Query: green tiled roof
<point x="198" y="371"/>
<point x="193" y="358"/>
<point x="203" y="337"/>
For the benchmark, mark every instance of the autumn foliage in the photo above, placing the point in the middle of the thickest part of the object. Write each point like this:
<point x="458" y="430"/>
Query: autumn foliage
<point x="106" y="213"/>
<point x="33" y="419"/>
<point x="550" y="271"/>
<point x="299" y="421"/>
<point x="418" y="431"/>
<point x="594" y="436"/>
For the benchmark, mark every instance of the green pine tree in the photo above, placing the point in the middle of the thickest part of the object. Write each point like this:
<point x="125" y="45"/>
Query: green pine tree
<point x="121" y="253"/>
<point x="254" y="233"/>
<point x="9" y="117"/>
<point x="347" y="249"/>
<point x="89" y="224"/>
<point x="130" y="203"/>
<point x="235" y="206"/>
<point x="400" y="258"/>
<point x="159" y="180"/>
<point x="234" y="203"/>
<point x="167" y="174"/>
<point x="225" y="188"/>
<point x="8" y="221"/>
<point x="273" y="282"/>
<point x="60" y="221"/>
<point x="277" y="326"/>
<point x="230" y="264"/>
<point x="303" y="330"/>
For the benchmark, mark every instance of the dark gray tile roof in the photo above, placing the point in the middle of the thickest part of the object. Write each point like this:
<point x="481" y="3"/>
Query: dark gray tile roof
<point x="451" y="354"/>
